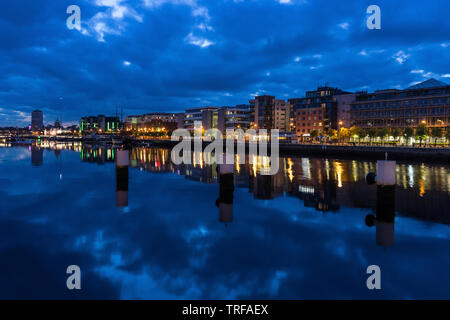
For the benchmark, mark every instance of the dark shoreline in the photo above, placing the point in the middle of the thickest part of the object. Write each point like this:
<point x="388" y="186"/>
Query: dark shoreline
<point x="440" y="155"/>
<point x="357" y="152"/>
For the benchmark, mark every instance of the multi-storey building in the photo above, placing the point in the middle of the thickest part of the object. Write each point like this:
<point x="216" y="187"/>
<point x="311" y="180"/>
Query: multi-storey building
<point x="134" y="123"/>
<point x="270" y="113"/>
<point x="99" y="124"/>
<point x="343" y="109"/>
<point x="233" y="118"/>
<point x="281" y="115"/>
<point x="425" y="103"/>
<point x="208" y="116"/>
<point x="37" y="120"/>
<point x="252" y="113"/>
<point x="290" y="117"/>
<point x="158" y="121"/>
<point x="180" y="120"/>
<point x="317" y="111"/>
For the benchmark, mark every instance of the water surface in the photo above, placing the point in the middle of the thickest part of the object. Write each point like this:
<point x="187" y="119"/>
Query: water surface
<point x="300" y="234"/>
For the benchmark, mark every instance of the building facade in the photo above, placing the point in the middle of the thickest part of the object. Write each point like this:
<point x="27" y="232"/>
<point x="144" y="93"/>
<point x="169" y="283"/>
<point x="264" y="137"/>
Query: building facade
<point x="318" y="111"/>
<point x="425" y="103"/>
<point x="270" y="113"/>
<point x="208" y="116"/>
<point x="232" y="118"/>
<point x="99" y="124"/>
<point x="344" y="102"/>
<point x="152" y="122"/>
<point x="37" y="120"/>
<point x="180" y="120"/>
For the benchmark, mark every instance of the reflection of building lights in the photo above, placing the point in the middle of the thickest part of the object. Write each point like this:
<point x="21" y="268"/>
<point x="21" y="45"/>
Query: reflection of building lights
<point x="289" y="170"/>
<point x="421" y="188"/>
<point x="255" y="165"/>
<point x="339" y="171"/>
<point x="411" y="176"/>
<point x="355" y="171"/>
<point x="306" y="168"/>
<point x="306" y="189"/>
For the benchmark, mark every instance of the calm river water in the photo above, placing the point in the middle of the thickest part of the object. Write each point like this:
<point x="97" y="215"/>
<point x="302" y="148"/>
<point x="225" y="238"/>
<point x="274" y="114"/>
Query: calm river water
<point x="300" y="234"/>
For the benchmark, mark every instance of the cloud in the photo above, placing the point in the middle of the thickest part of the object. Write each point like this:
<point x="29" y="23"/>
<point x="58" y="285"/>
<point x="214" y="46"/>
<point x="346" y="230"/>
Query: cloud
<point x="183" y="53"/>
<point x="111" y="21"/>
<point x="198" y="41"/>
<point x="344" y="25"/>
<point x="363" y="53"/>
<point x="400" y="56"/>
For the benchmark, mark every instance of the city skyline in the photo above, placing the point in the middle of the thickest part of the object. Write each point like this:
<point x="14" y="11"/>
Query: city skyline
<point x="429" y="83"/>
<point x="130" y="54"/>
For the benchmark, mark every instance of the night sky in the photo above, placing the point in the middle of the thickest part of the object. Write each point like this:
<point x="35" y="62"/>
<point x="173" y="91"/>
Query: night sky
<point x="169" y="55"/>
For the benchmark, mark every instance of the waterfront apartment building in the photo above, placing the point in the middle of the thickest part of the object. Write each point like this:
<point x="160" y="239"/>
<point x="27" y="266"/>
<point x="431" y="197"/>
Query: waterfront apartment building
<point x="180" y="120"/>
<point x="290" y="117"/>
<point x="238" y="117"/>
<point x="271" y="113"/>
<point x="152" y="122"/>
<point x="252" y="113"/>
<point x="317" y="111"/>
<point x="208" y="116"/>
<point x="134" y="122"/>
<point x="344" y="102"/>
<point x="37" y="120"/>
<point x="99" y="124"/>
<point x="425" y="103"/>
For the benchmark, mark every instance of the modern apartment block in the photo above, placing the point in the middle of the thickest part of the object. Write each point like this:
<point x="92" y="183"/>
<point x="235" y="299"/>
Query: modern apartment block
<point x="425" y="103"/>
<point x="208" y="116"/>
<point x="344" y="102"/>
<point x="99" y="124"/>
<point x="270" y="113"/>
<point x="158" y="121"/>
<point x="252" y="113"/>
<point x="317" y="111"/>
<point x="180" y="120"/>
<point x="238" y="117"/>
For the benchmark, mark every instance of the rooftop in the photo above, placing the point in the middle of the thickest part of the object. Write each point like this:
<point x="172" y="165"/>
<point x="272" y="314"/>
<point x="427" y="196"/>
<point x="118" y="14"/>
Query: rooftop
<point x="430" y="83"/>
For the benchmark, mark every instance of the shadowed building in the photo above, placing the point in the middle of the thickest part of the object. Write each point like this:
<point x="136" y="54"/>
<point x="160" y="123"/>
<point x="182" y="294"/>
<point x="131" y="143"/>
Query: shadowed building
<point x="271" y="113"/>
<point x="344" y="102"/>
<point x="37" y="120"/>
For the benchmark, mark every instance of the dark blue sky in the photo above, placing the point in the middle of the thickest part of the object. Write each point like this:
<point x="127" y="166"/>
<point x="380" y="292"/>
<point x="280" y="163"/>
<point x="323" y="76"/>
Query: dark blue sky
<point x="168" y="55"/>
